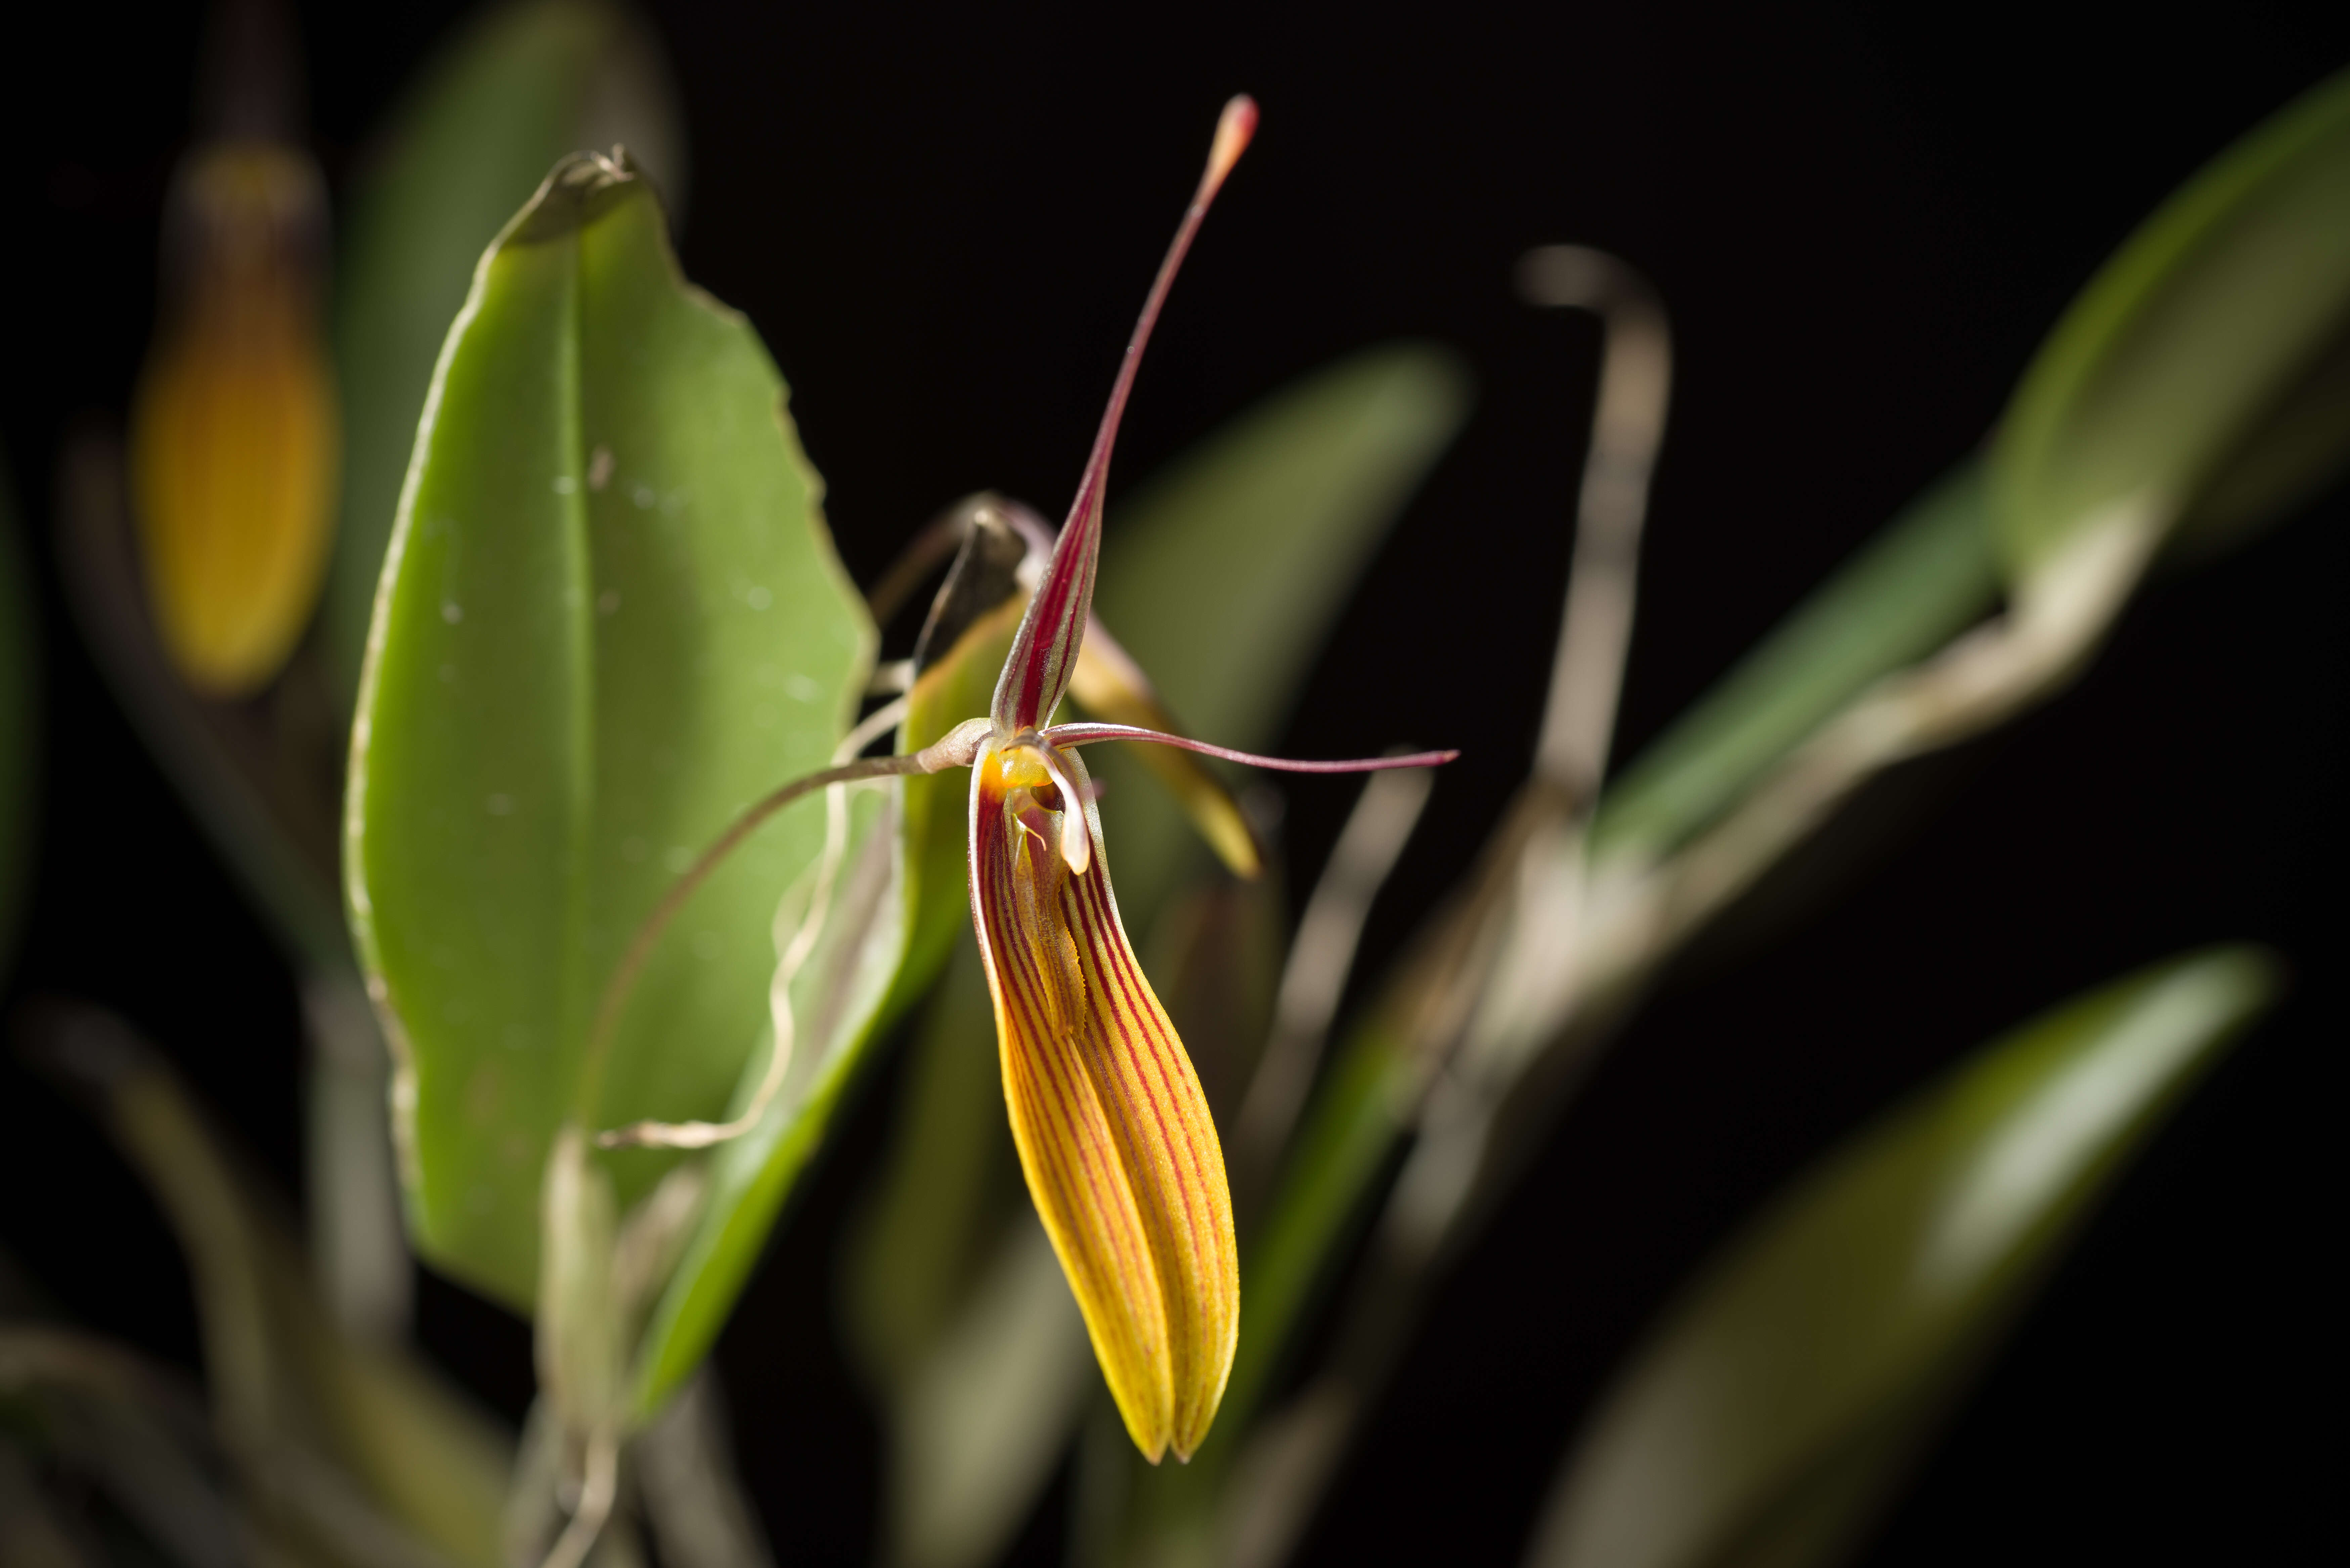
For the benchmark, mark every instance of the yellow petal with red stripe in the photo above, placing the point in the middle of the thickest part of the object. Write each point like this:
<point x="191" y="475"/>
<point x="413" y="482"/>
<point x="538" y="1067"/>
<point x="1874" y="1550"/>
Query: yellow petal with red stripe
<point x="1114" y="1133"/>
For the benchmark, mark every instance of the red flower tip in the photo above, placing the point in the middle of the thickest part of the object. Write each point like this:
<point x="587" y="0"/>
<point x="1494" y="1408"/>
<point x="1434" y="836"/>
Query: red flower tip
<point x="1234" y="131"/>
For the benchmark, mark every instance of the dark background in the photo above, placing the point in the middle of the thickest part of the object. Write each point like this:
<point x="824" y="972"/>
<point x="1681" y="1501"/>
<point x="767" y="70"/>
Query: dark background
<point x="1862" y="224"/>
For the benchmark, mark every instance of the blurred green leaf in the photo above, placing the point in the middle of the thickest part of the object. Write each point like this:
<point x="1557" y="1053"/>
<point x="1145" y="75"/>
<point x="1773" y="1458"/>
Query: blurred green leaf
<point x="19" y="723"/>
<point x="1924" y="577"/>
<point x="939" y="1205"/>
<point x="2298" y="446"/>
<point x="1342" y="1146"/>
<point x="977" y="1428"/>
<point x="1777" y="1404"/>
<point x="1927" y="575"/>
<point x="612" y="619"/>
<point x="1215" y="959"/>
<point x="30" y="1535"/>
<point x="2205" y="367"/>
<point x="1224" y="575"/>
<point x="302" y="1411"/>
<point x="106" y="1421"/>
<point x="522" y="85"/>
<point x="2196" y="360"/>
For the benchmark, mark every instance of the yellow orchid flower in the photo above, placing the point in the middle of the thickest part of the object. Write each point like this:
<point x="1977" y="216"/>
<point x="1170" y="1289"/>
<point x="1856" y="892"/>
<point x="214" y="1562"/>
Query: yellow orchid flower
<point x="1114" y="1135"/>
<point x="234" y="445"/>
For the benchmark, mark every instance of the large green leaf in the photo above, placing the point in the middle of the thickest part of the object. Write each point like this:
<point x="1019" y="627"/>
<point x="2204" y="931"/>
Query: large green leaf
<point x="1224" y="573"/>
<point x="1779" y="1402"/>
<point x="522" y="85"/>
<point x="2208" y="345"/>
<point x="611" y="618"/>
<point x="18" y="722"/>
<point x="1926" y="576"/>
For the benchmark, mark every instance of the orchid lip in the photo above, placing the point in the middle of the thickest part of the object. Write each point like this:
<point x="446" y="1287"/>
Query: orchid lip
<point x="1076" y="842"/>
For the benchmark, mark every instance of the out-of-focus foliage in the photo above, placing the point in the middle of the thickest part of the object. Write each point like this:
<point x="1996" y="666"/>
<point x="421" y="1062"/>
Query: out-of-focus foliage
<point x="1928" y="575"/>
<point x="1249" y="543"/>
<point x="89" y="1429"/>
<point x="524" y="84"/>
<point x="611" y="619"/>
<point x="232" y="481"/>
<point x="339" y="1452"/>
<point x="1882" y="664"/>
<point x="19" y="723"/>
<point x="2205" y="373"/>
<point x="234" y="443"/>
<point x="1780" y="1401"/>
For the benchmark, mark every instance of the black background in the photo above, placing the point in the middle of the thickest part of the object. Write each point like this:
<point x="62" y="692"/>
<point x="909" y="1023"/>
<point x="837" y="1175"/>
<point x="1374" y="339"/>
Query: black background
<point x="1863" y="223"/>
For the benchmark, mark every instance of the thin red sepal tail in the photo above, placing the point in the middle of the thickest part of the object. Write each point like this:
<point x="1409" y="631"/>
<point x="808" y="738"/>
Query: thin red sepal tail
<point x="1093" y="734"/>
<point x="1044" y="653"/>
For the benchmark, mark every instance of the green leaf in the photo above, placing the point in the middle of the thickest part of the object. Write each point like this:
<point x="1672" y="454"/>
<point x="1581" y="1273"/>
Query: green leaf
<point x="2208" y="330"/>
<point x="979" y="1426"/>
<point x="842" y="998"/>
<point x="19" y="723"/>
<point x="1926" y="576"/>
<point x="1779" y="1402"/>
<point x="611" y="619"/>
<point x="1343" y="1145"/>
<point x="2212" y="345"/>
<point x="388" y="1453"/>
<point x="465" y="148"/>
<point x="1224" y="575"/>
<point x="927" y="1228"/>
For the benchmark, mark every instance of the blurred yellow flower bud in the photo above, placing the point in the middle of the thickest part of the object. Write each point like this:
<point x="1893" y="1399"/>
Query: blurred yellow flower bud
<point x="234" y="445"/>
